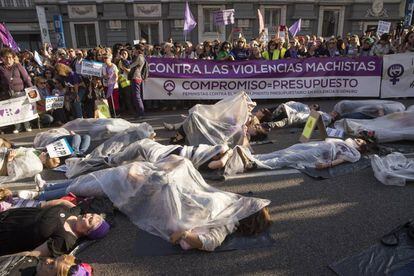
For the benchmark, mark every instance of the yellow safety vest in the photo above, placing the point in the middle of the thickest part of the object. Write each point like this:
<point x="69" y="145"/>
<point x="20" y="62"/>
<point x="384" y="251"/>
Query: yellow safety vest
<point x="275" y="54"/>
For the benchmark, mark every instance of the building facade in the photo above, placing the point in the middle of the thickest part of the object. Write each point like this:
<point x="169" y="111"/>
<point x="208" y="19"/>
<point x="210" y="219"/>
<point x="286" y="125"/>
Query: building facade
<point x="106" y="22"/>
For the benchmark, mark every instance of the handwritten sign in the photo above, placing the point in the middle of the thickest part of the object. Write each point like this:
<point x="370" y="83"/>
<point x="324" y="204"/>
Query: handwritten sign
<point x="383" y="27"/>
<point x="336" y="133"/>
<point x="91" y="68"/>
<point x="59" y="148"/>
<point x="17" y="110"/>
<point x="54" y="102"/>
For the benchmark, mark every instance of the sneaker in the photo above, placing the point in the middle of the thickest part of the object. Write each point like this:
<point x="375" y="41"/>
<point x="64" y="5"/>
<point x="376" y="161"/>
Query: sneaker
<point x="29" y="129"/>
<point x="24" y="194"/>
<point x="40" y="183"/>
<point x="168" y="126"/>
<point x="15" y="131"/>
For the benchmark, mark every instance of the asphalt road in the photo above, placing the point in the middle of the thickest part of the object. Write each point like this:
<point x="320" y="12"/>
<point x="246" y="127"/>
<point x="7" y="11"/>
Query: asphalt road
<point x="315" y="222"/>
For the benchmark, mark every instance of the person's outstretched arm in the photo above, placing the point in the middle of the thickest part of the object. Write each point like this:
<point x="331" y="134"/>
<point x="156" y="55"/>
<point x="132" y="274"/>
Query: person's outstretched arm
<point x="335" y="162"/>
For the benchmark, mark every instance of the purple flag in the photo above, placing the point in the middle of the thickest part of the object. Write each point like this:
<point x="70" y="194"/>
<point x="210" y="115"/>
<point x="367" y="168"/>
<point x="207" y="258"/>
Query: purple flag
<point x="295" y="28"/>
<point x="189" y="22"/>
<point x="7" y="38"/>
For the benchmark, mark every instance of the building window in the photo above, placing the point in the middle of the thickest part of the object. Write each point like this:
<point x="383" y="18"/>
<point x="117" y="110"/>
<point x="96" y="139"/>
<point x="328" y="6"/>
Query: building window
<point x="209" y="25"/>
<point x="306" y="24"/>
<point x="330" y="23"/>
<point x="272" y="18"/>
<point x="85" y="35"/>
<point x="149" y="31"/>
<point x="243" y="23"/>
<point x="178" y="24"/>
<point x="16" y="3"/>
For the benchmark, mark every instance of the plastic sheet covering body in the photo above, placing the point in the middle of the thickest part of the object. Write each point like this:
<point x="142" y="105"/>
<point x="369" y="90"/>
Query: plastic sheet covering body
<point x="390" y="128"/>
<point x="221" y="123"/>
<point x="98" y="129"/>
<point x="151" y="151"/>
<point x="373" y="108"/>
<point x="298" y="113"/>
<point x="25" y="164"/>
<point x="167" y="196"/>
<point x="393" y="169"/>
<point x="117" y="143"/>
<point x="42" y="139"/>
<point x="297" y="156"/>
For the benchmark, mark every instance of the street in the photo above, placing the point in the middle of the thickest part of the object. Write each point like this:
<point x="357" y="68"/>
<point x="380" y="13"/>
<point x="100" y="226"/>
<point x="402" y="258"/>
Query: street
<point x="315" y="222"/>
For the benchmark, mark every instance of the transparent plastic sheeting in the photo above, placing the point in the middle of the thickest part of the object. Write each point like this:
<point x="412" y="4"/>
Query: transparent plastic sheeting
<point x="221" y="123"/>
<point x="167" y="196"/>
<point x="410" y="108"/>
<point x="390" y="128"/>
<point x="117" y="143"/>
<point x="98" y="129"/>
<point x="25" y="164"/>
<point x="142" y="150"/>
<point x="297" y="156"/>
<point x="298" y="113"/>
<point x="393" y="169"/>
<point x="368" y="107"/>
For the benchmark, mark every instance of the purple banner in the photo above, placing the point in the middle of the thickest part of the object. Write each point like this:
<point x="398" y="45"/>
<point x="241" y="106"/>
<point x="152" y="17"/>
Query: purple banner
<point x="285" y="68"/>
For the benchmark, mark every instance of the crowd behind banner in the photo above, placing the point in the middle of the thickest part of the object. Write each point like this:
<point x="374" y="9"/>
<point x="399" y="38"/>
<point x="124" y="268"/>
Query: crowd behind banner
<point x="103" y="82"/>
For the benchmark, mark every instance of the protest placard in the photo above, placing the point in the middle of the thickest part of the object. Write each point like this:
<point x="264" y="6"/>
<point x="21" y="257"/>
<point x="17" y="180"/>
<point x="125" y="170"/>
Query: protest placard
<point x="91" y="68"/>
<point x="59" y="148"/>
<point x="335" y="133"/>
<point x="224" y="17"/>
<point x="383" y="27"/>
<point x="314" y="120"/>
<point x="17" y="110"/>
<point x="32" y="94"/>
<point x="54" y="102"/>
<point x="38" y="59"/>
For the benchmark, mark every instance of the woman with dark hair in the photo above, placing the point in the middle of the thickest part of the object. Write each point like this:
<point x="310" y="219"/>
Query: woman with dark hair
<point x="408" y="43"/>
<point x="207" y="51"/>
<point x="383" y="46"/>
<point x="225" y="52"/>
<point x="13" y="80"/>
<point x="272" y="52"/>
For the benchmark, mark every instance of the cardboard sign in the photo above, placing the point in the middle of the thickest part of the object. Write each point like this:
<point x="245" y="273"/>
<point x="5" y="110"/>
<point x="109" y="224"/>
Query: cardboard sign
<point x="59" y="148"/>
<point x="32" y="94"/>
<point x="102" y="109"/>
<point x="383" y="27"/>
<point x="335" y="133"/>
<point x="54" y="102"/>
<point x="314" y="120"/>
<point x="91" y="68"/>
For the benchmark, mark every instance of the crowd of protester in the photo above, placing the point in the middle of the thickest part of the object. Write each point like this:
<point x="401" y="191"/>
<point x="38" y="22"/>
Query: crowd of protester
<point x="59" y="71"/>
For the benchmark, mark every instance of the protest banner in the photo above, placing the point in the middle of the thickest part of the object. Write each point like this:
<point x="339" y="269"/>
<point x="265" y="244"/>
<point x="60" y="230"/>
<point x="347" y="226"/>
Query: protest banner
<point x="261" y="79"/>
<point x="44" y="29"/>
<point x="91" y="68"/>
<point x="54" y="102"/>
<point x="314" y="120"/>
<point x="32" y="94"/>
<point x="60" y="35"/>
<point x="59" y="148"/>
<point x="224" y="17"/>
<point x="17" y="110"/>
<point x="398" y="76"/>
<point x="383" y="27"/>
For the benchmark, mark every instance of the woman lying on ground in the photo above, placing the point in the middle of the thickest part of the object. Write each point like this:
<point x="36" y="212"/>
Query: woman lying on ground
<point x="175" y="202"/>
<point x="293" y="113"/>
<point x="203" y="157"/>
<point x="320" y="155"/>
<point x="394" y="127"/>
<point x="65" y="265"/>
<point x="95" y="160"/>
<point x="365" y="109"/>
<point x="23" y="162"/>
<point x="50" y="231"/>
<point x="221" y="123"/>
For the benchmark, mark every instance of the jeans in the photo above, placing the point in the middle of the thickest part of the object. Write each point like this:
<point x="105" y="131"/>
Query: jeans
<point x="54" y="190"/>
<point x="79" y="144"/>
<point x="77" y="105"/>
<point x="19" y="126"/>
<point x="356" y="115"/>
<point x="46" y="119"/>
<point x="137" y="97"/>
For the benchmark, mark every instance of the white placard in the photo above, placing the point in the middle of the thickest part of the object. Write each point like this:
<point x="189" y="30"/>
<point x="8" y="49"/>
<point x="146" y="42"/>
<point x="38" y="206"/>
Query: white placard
<point x="54" y="102"/>
<point x="17" y="110"/>
<point x="136" y="41"/>
<point x="332" y="132"/>
<point x="398" y="76"/>
<point x="44" y="30"/>
<point x="91" y="68"/>
<point x="383" y="27"/>
<point x="59" y="148"/>
<point x="32" y="94"/>
<point x="38" y="58"/>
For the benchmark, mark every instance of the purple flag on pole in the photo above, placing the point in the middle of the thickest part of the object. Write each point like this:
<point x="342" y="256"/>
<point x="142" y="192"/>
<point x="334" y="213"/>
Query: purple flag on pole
<point x="295" y="28"/>
<point x="189" y="22"/>
<point x="7" y="38"/>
